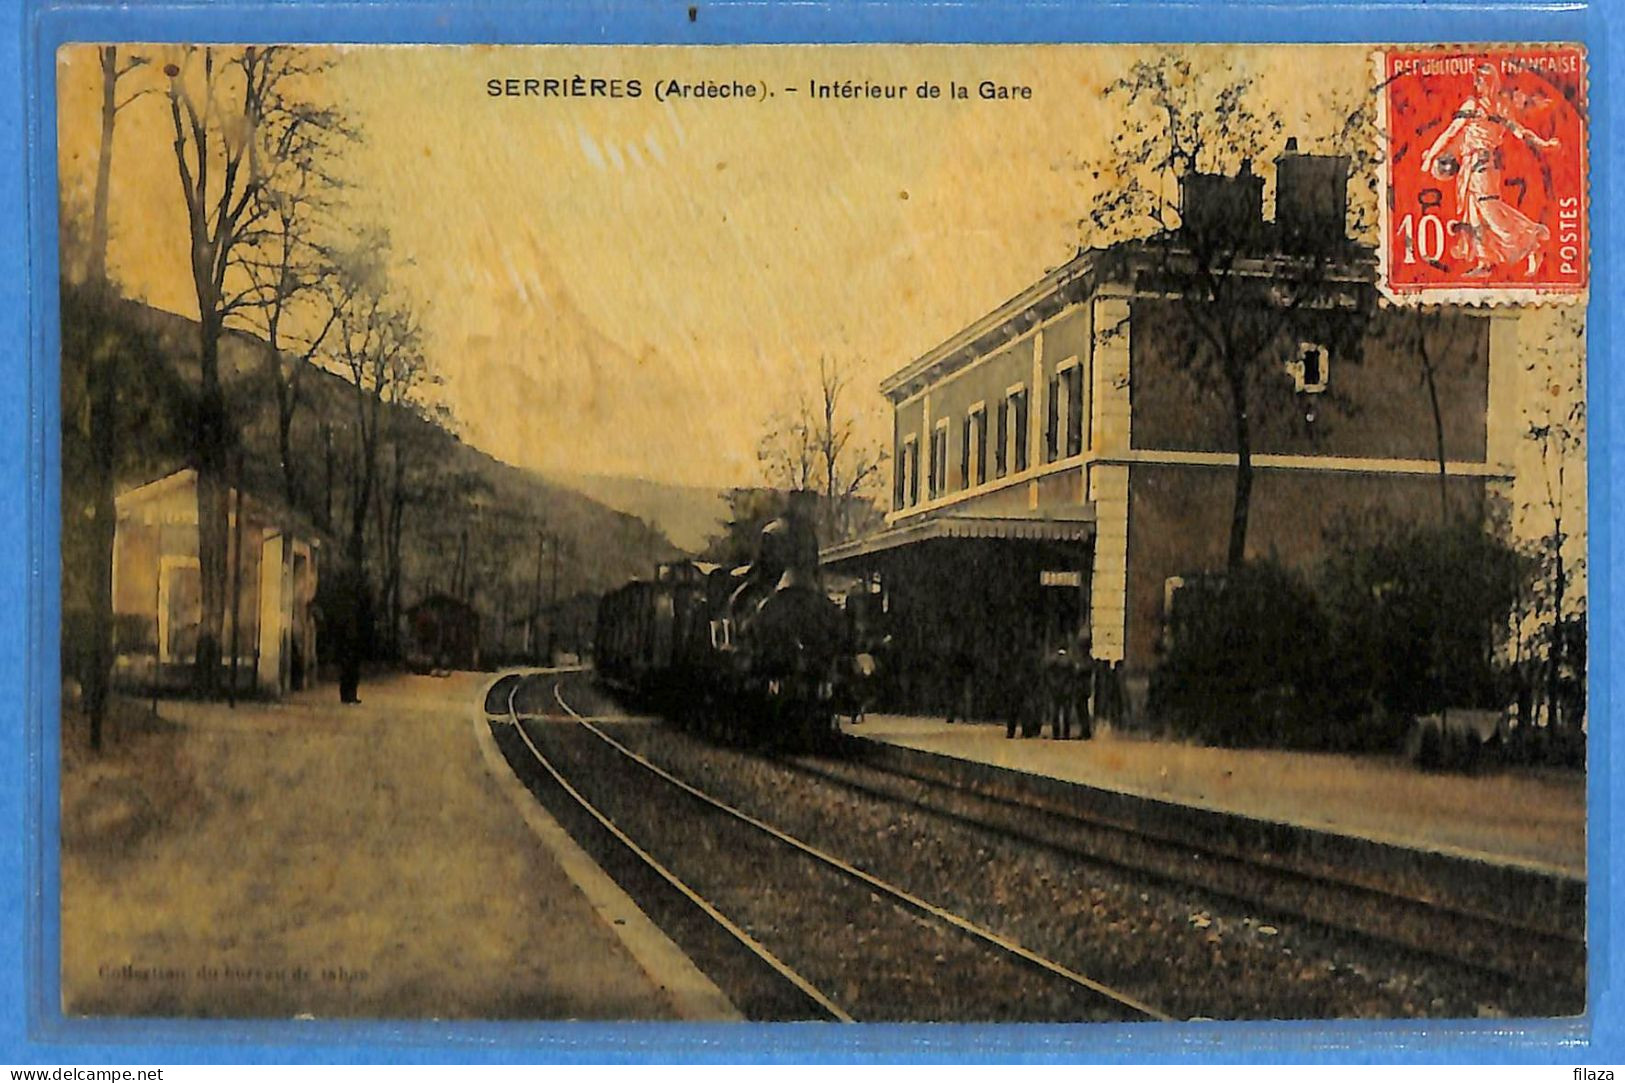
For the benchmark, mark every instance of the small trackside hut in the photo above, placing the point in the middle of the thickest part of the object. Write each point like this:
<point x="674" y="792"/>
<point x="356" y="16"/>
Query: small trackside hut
<point x="1058" y="470"/>
<point x="444" y="634"/>
<point x="271" y="571"/>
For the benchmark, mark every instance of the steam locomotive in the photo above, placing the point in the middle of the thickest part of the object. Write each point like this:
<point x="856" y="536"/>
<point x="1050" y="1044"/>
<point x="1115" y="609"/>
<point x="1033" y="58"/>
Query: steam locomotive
<point x="750" y="653"/>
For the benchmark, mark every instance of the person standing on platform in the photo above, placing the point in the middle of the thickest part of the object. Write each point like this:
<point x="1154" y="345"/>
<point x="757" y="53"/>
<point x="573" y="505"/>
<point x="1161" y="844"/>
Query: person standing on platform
<point x="1053" y="682"/>
<point x="1066" y="690"/>
<point x="348" y="619"/>
<point x="1082" y="678"/>
<point x="1021" y="702"/>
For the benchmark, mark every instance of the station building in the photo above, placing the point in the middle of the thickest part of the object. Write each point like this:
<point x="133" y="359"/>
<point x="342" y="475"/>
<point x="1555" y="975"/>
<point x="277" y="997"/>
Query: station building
<point x="1059" y="470"/>
<point x="158" y="595"/>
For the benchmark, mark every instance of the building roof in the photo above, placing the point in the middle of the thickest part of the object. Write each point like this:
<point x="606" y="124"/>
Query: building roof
<point x="441" y="601"/>
<point x="1267" y="250"/>
<point x="1020" y="528"/>
<point x="155" y="502"/>
<point x="1081" y="272"/>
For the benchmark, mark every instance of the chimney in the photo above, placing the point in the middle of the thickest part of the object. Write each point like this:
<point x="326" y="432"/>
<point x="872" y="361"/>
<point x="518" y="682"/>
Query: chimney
<point x="1222" y="210"/>
<point x="1311" y="199"/>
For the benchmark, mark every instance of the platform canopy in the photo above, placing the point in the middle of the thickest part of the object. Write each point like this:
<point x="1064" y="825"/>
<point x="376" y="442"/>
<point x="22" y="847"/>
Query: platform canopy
<point x="1011" y="528"/>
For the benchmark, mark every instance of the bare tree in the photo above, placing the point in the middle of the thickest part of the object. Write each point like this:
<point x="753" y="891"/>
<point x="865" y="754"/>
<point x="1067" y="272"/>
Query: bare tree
<point x="815" y="446"/>
<point x="851" y="468"/>
<point x="113" y="72"/>
<point x="788" y="451"/>
<point x="233" y="112"/>
<point x="103" y="373"/>
<point x="412" y="430"/>
<point x="292" y="263"/>
<point x="1556" y="417"/>
<point x="1433" y="336"/>
<point x="377" y="349"/>
<point x="102" y="376"/>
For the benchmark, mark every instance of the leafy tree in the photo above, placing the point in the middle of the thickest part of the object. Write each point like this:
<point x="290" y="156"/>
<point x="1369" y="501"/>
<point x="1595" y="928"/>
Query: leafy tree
<point x="1240" y="288"/>
<point x="1419" y="614"/>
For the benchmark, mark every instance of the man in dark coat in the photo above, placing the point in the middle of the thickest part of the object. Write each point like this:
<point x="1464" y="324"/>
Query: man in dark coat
<point x="348" y="605"/>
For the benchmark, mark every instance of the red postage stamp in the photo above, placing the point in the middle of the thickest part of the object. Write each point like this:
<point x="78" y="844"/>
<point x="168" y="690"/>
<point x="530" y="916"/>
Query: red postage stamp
<point x="1485" y="174"/>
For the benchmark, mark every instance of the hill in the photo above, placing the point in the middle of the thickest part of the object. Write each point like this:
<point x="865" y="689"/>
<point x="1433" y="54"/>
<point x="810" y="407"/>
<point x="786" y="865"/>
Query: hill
<point x="506" y="539"/>
<point x="690" y="515"/>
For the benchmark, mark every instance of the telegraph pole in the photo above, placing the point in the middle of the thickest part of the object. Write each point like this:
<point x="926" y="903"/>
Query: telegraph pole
<point x="553" y="605"/>
<point x="237" y="580"/>
<point x="536" y="597"/>
<point x="460" y="576"/>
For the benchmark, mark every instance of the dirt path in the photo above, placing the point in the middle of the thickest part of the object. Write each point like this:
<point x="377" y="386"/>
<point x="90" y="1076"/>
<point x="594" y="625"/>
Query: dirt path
<point x="308" y="859"/>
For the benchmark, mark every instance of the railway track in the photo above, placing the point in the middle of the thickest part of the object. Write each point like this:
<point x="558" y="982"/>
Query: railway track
<point x="1163" y="921"/>
<point x="796" y="931"/>
<point x="1550" y="965"/>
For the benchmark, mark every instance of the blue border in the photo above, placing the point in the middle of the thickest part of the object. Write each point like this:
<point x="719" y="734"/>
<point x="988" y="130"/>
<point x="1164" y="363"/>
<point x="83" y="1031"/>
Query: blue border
<point x="31" y="1027"/>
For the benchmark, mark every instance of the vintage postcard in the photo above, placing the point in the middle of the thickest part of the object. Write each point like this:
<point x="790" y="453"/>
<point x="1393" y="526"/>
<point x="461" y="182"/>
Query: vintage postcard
<point x="877" y="533"/>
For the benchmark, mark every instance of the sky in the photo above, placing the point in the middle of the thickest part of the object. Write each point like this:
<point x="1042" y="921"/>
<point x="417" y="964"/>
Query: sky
<point x="637" y="287"/>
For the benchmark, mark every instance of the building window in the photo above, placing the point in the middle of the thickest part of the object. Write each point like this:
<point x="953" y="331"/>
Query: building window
<point x="1310" y="368"/>
<point x="899" y="477"/>
<point x="1019" y="435"/>
<point x="1012" y="434"/>
<point x="913" y="471"/>
<point x="907" y="473"/>
<point x="973" y="447"/>
<point x="966" y="436"/>
<point x="978" y="420"/>
<point x="1001" y="449"/>
<point x="1072" y="378"/>
<point x="1052" y="422"/>
<point x="939" y="459"/>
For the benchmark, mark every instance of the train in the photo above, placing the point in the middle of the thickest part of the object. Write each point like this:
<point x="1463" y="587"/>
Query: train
<point x="755" y="653"/>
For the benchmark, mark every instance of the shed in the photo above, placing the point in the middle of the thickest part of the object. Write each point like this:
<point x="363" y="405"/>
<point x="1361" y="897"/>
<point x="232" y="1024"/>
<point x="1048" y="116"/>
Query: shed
<point x="158" y="597"/>
<point x="444" y="634"/>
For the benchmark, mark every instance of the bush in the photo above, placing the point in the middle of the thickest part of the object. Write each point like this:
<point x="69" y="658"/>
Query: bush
<point x="1397" y="626"/>
<point x="1243" y="663"/>
<point x="1414" y="618"/>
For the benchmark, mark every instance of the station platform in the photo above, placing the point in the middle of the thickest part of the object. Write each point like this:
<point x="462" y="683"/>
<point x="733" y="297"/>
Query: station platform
<point x="1522" y="818"/>
<point x="312" y="860"/>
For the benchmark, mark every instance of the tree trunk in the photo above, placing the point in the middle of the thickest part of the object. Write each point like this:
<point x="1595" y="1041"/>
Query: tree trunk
<point x="103" y="375"/>
<point x="1554" y="653"/>
<point x="327" y="454"/>
<point x="1438" y="430"/>
<point x="284" y="436"/>
<point x="398" y="517"/>
<point x="104" y="372"/>
<point x="212" y="485"/>
<point x="1242" y="507"/>
<point x="96" y="272"/>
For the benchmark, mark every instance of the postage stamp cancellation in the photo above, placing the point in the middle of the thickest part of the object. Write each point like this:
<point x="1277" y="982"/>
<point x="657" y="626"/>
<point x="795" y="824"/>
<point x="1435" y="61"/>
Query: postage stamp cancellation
<point x="1485" y="187"/>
